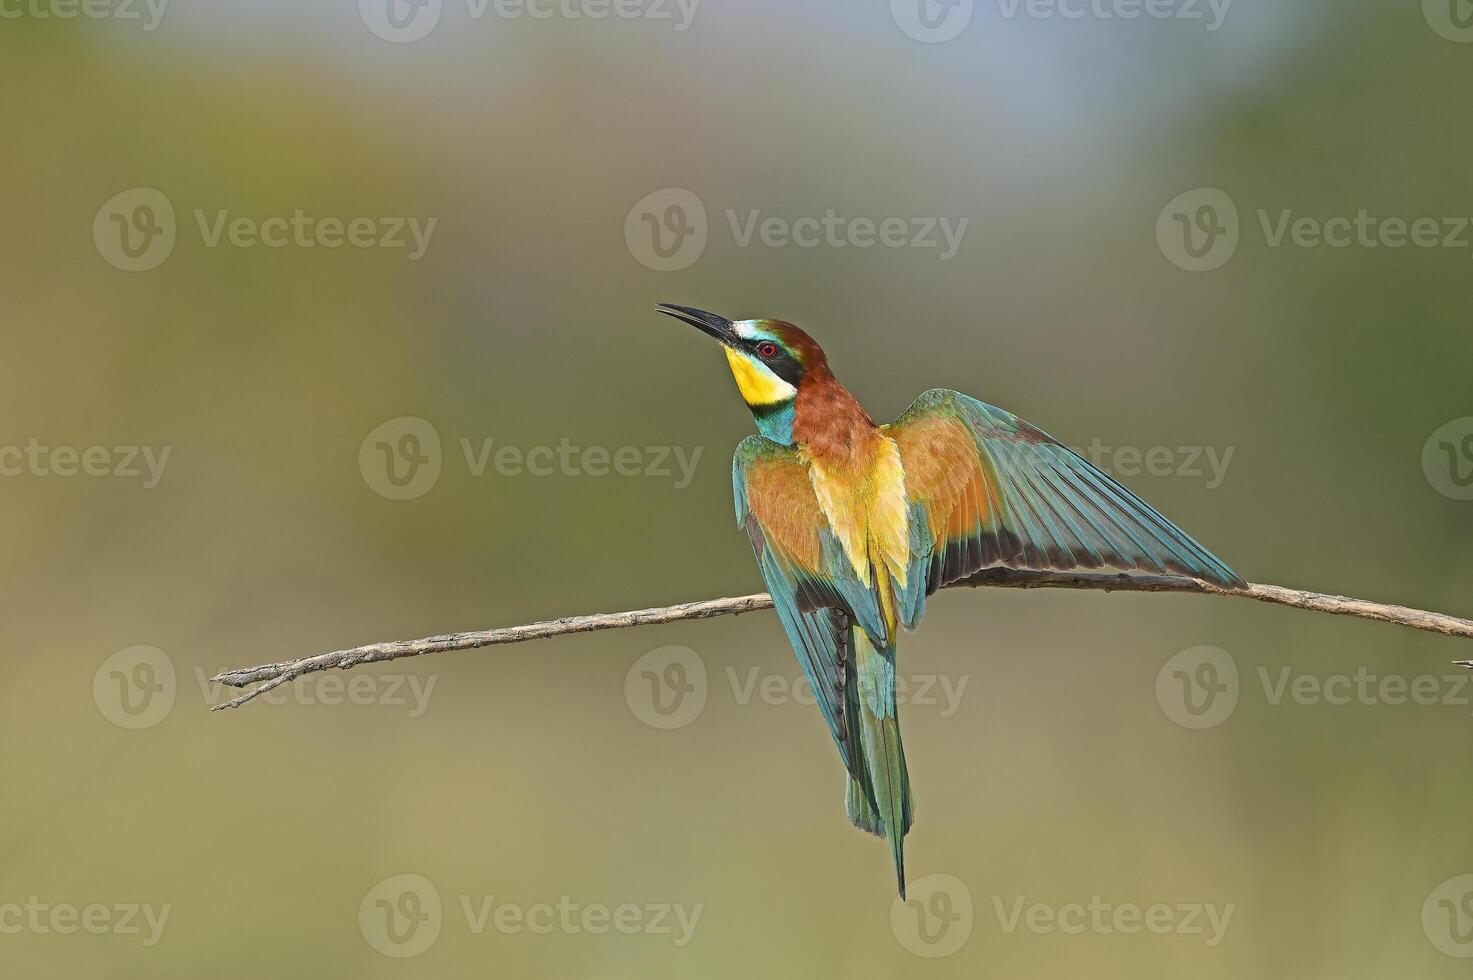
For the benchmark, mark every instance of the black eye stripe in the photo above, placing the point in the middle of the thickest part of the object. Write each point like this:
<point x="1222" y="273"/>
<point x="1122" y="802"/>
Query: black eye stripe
<point x="781" y="362"/>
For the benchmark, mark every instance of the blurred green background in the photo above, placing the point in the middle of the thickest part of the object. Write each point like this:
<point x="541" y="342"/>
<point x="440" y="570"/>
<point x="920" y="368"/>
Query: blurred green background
<point x="521" y="776"/>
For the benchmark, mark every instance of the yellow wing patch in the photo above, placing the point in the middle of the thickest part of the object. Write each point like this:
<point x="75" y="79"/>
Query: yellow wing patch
<point x="865" y="504"/>
<point x="944" y="472"/>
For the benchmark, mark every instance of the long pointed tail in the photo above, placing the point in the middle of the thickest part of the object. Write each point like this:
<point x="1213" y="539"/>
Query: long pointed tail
<point x="884" y="807"/>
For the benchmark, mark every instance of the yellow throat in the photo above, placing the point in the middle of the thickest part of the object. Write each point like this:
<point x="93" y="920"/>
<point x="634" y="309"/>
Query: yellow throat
<point x="758" y="385"/>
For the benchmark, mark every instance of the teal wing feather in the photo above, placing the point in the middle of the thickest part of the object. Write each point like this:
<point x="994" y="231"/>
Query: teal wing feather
<point x="816" y="601"/>
<point x="988" y="489"/>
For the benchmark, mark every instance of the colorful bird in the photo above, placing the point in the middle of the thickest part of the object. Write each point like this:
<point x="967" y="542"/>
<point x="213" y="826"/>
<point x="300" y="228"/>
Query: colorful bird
<point x="854" y="524"/>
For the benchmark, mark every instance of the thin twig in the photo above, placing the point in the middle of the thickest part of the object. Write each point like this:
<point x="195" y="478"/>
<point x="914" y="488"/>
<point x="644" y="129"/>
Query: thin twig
<point x="273" y="675"/>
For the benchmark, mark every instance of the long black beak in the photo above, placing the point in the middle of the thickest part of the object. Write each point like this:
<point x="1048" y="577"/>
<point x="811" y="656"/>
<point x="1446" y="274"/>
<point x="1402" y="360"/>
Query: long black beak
<point x="708" y="323"/>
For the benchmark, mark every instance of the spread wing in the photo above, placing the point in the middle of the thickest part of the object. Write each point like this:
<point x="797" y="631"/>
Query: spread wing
<point x="988" y="489"/>
<point x="813" y="586"/>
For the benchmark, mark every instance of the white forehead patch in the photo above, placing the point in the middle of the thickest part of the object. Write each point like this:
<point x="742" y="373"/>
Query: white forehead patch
<point x="748" y="330"/>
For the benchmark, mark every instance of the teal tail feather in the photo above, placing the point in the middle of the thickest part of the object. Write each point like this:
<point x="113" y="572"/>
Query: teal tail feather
<point x="861" y="811"/>
<point x="885" y="806"/>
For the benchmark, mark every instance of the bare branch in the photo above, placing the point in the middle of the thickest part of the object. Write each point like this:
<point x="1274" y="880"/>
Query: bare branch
<point x="273" y="675"/>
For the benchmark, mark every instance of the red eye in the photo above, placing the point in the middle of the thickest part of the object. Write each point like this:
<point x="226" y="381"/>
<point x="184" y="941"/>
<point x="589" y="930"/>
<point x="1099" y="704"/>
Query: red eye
<point x="767" y="349"/>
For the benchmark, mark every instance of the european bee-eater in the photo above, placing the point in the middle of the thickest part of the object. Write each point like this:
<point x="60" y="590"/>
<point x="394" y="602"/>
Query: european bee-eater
<point x="854" y="524"/>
